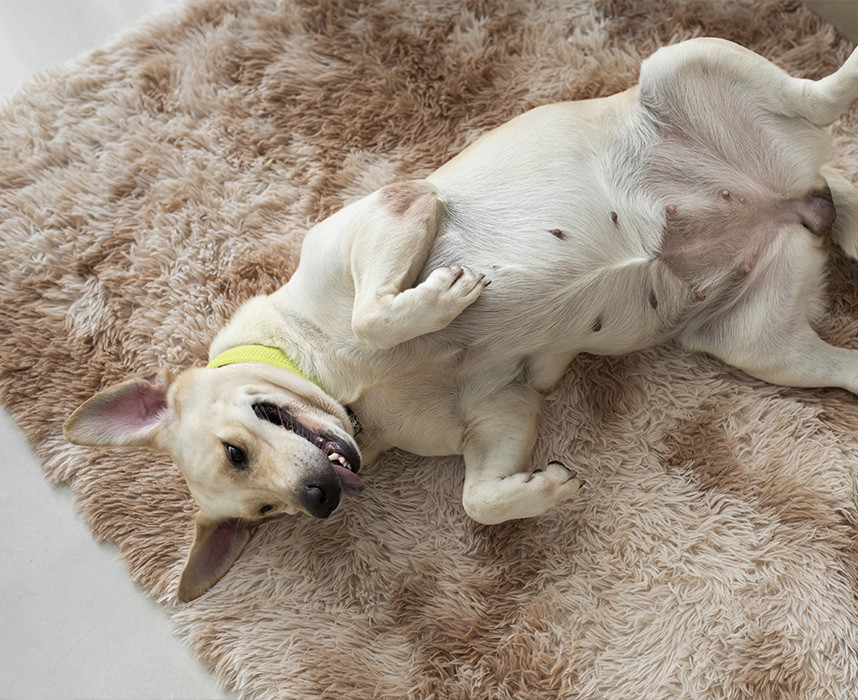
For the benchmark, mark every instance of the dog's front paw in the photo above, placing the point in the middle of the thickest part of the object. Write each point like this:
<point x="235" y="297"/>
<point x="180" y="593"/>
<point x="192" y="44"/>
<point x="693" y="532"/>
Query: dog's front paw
<point x="453" y="289"/>
<point x="458" y="282"/>
<point x="382" y="320"/>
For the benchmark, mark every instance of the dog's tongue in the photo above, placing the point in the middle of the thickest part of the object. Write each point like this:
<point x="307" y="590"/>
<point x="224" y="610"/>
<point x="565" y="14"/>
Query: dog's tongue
<point x="350" y="482"/>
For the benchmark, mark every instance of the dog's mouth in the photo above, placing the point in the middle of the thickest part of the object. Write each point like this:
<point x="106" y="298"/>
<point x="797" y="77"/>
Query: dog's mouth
<point x="344" y="458"/>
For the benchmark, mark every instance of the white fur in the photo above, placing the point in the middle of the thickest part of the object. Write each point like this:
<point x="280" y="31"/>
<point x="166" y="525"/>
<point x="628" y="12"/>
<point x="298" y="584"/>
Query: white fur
<point x="474" y="388"/>
<point x="679" y="209"/>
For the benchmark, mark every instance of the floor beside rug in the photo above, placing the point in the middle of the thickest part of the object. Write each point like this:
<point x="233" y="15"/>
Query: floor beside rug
<point x="73" y="624"/>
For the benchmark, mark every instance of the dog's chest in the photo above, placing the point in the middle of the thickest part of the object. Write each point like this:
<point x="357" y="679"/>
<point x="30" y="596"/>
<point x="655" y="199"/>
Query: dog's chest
<point x="418" y="410"/>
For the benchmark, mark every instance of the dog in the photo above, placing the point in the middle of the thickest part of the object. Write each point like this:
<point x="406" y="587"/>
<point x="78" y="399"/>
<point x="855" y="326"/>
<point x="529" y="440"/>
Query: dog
<point x="433" y="315"/>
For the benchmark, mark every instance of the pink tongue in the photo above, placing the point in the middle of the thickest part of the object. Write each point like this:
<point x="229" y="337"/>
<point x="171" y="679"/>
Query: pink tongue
<point x="351" y="483"/>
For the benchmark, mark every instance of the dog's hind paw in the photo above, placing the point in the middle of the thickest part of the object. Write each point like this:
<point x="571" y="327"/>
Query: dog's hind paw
<point x="572" y="472"/>
<point x="520" y="495"/>
<point x="555" y="482"/>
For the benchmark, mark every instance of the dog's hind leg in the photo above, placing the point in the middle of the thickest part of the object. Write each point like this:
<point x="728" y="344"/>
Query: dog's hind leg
<point x="845" y="197"/>
<point x="822" y="101"/>
<point x="678" y="69"/>
<point x="796" y="358"/>
<point x="498" y="445"/>
<point x="545" y="370"/>
<point x="768" y="332"/>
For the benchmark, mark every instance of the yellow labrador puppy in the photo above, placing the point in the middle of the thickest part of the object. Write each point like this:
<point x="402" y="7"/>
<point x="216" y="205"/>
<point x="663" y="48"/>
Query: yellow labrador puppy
<point x="695" y="206"/>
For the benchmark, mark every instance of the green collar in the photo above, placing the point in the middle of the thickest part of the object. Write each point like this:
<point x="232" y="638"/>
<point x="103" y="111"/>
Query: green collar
<point x="266" y="355"/>
<point x="257" y="353"/>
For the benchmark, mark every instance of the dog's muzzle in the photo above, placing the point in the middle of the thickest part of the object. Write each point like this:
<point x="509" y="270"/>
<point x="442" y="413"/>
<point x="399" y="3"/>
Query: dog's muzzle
<point x="320" y="496"/>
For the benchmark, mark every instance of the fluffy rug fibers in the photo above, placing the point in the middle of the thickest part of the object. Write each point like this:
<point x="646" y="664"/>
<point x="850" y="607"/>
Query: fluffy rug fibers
<point x="148" y="189"/>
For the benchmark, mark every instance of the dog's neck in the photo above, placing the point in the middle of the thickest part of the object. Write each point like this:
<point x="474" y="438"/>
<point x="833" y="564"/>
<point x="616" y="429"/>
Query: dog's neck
<point x="275" y="357"/>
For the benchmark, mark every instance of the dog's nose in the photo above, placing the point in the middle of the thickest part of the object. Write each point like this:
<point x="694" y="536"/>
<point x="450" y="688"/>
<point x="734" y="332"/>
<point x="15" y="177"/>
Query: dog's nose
<point x="320" y="497"/>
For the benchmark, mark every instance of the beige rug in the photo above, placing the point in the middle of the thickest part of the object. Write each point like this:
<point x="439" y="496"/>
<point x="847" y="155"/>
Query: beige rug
<point x="149" y="189"/>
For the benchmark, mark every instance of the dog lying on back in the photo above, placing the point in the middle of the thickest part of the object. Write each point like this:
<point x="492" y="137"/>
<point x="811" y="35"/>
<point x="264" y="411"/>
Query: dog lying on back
<point x="696" y="207"/>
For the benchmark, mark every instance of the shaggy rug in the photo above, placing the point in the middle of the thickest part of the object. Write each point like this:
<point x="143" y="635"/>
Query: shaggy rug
<point x="148" y="189"/>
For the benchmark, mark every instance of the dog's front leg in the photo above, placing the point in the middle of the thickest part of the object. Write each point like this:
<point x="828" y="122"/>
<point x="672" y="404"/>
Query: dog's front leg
<point x="498" y="445"/>
<point x="387" y="256"/>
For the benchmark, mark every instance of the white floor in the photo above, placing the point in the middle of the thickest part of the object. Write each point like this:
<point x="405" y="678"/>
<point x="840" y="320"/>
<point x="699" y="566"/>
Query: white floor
<point x="72" y="624"/>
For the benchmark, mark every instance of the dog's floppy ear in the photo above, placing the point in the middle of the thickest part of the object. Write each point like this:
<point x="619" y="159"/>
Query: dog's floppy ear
<point x="133" y="412"/>
<point x="217" y="544"/>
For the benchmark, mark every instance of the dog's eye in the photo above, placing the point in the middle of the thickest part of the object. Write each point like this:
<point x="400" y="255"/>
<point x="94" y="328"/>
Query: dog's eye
<point x="236" y="456"/>
<point x="265" y="509"/>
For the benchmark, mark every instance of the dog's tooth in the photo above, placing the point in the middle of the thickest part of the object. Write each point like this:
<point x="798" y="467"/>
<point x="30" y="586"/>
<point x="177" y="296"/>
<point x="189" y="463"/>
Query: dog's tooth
<point x="334" y="457"/>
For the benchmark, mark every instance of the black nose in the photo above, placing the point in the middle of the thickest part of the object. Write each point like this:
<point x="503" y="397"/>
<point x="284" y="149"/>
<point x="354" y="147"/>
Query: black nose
<point x="320" y="497"/>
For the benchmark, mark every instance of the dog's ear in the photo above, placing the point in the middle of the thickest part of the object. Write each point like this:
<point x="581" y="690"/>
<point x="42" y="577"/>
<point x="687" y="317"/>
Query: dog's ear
<point x="134" y="412"/>
<point x="217" y="544"/>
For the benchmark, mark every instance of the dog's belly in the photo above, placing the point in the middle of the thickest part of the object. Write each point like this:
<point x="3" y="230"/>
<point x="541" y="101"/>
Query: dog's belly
<point x="611" y="240"/>
<point x="723" y="239"/>
<point x="552" y="294"/>
<point x="567" y="240"/>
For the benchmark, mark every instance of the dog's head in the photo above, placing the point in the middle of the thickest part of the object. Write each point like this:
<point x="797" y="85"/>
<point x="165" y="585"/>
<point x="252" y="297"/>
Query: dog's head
<point x="253" y="441"/>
